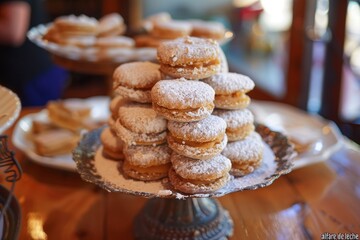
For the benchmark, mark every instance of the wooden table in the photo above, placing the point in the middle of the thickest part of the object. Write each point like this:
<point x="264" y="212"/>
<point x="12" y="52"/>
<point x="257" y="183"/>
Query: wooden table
<point x="308" y="202"/>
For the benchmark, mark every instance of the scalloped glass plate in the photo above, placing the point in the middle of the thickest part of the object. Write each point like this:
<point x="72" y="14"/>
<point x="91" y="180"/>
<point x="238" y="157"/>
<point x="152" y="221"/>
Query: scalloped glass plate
<point x="99" y="112"/>
<point x="96" y="55"/>
<point x="95" y="168"/>
<point x="10" y="107"/>
<point x="314" y="137"/>
<point x="10" y="221"/>
<point x="110" y="55"/>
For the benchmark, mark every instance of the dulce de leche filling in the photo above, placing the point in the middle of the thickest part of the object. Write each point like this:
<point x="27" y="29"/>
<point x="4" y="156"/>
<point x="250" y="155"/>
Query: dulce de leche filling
<point x="186" y="110"/>
<point x="245" y="165"/>
<point x="208" y="144"/>
<point x="240" y="96"/>
<point x="191" y="65"/>
<point x="241" y="129"/>
<point x="159" y="142"/>
<point x="198" y="181"/>
<point x="152" y="169"/>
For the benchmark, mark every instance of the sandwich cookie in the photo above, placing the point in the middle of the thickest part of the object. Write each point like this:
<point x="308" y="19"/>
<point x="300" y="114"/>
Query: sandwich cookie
<point x="182" y="100"/>
<point x="199" y="176"/>
<point x="115" y="42"/>
<point x="112" y="144"/>
<point x="189" y="57"/>
<point x="171" y="29"/>
<point x="134" y="80"/>
<point x="147" y="163"/>
<point x="115" y="104"/>
<point x="239" y="123"/>
<point x="75" y="25"/>
<point x="203" y="139"/>
<point x="207" y="29"/>
<point x="139" y="124"/>
<point x="230" y="90"/>
<point x="245" y="155"/>
<point x="110" y="25"/>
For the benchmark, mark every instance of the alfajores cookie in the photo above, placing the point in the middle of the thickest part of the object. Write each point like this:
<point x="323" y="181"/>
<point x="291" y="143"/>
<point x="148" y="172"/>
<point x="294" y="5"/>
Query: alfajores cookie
<point x="189" y="57"/>
<point x="203" y="139"/>
<point x="230" y="90"/>
<point x="182" y="100"/>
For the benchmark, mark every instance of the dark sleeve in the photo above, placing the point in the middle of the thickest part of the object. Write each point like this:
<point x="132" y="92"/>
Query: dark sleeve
<point x="9" y="1"/>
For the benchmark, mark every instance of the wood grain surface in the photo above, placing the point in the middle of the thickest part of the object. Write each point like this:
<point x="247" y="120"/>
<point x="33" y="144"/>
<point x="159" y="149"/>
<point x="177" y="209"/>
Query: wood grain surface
<point x="317" y="199"/>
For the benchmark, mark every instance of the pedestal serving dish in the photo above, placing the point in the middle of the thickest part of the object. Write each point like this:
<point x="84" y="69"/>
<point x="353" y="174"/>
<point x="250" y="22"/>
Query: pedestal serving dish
<point x="170" y="214"/>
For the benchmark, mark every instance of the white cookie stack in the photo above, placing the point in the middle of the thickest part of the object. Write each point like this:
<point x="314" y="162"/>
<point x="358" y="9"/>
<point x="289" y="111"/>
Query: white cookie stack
<point x="196" y="137"/>
<point x="231" y="101"/>
<point x="136" y="124"/>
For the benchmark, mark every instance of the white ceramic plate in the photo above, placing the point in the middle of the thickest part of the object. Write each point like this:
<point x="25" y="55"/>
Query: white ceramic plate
<point x="92" y="54"/>
<point x="320" y="137"/>
<point x="99" y="112"/>
<point x="10" y="107"/>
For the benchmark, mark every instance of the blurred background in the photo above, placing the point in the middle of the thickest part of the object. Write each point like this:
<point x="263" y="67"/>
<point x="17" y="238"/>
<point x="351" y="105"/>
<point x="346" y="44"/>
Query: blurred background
<point x="303" y="53"/>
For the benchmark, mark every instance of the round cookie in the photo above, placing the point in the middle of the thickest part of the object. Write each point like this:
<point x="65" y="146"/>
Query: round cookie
<point x="203" y="139"/>
<point x="134" y="80"/>
<point x="171" y="29"/>
<point x="230" y="90"/>
<point x="139" y="124"/>
<point x="112" y="123"/>
<point x="110" y="25"/>
<point x="182" y="100"/>
<point x="239" y="123"/>
<point x="207" y="29"/>
<point x="73" y="25"/>
<point x="189" y="57"/>
<point x="201" y="170"/>
<point x="79" y="41"/>
<point x="112" y="145"/>
<point x="194" y="187"/>
<point x="245" y="155"/>
<point x="115" y="104"/>
<point x="224" y="66"/>
<point x="115" y="42"/>
<point x="147" y="163"/>
<point x="149" y="22"/>
<point x="147" y="41"/>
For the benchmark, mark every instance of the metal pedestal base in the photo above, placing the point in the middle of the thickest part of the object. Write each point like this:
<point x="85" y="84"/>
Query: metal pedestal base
<point x="193" y="218"/>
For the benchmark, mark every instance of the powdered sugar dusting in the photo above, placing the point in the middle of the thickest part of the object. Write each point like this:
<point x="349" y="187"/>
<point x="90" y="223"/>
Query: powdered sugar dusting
<point x="137" y="75"/>
<point x="182" y="94"/>
<point x="204" y="130"/>
<point x="235" y="118"/>
<point x="115" y="104"/>
<point x="132" y="138"/>
<point x="198" y="152"/>
<point x="244" y="150"/>
<point x="141" y="118"/>
<point x="225" y="83"/>
<point x="136" y="95"/>
<point x="188" y="50"/>
<point x="189" y="168"/>
<point x="147" y="156"/>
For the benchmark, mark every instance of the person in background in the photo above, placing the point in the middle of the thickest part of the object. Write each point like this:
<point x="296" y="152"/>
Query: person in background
<point x="25" y="68"/>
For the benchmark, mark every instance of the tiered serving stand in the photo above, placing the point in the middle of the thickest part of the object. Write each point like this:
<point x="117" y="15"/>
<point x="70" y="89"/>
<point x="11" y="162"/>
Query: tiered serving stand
<point x="169" y="214"/>
<point x="10" y="169"/>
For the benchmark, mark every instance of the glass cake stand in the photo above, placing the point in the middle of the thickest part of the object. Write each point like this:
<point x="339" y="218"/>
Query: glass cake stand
<point x="170" y="214"/>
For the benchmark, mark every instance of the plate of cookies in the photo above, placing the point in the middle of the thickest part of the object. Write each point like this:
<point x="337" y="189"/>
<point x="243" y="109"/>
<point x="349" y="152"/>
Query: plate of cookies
<point x="189" y="135"/>
<point x="313" y="137"/>
<point x="48" y="137"/>
<point x="161" y="26"/>
<point x="83" y="38"/>
<point x="10" y="107"/>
